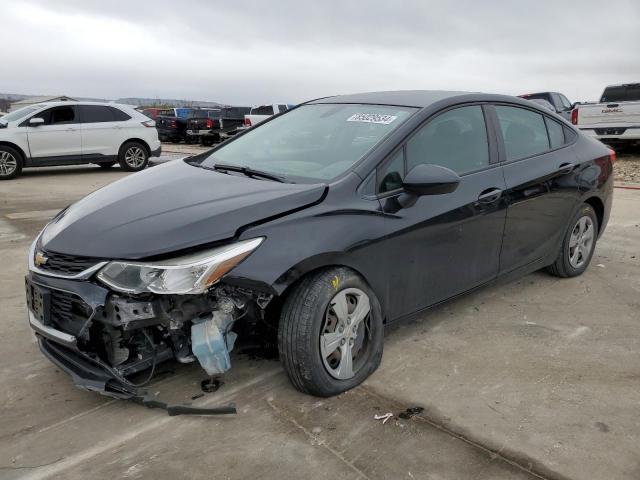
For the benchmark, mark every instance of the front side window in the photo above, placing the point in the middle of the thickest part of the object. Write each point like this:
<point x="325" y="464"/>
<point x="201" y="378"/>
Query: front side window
<point x="456" y="139"/>
<point x="390" y="175"/>
<point x="58" y="116"/>
<point x="315" y="142"/>
<point x="523" y="131"/>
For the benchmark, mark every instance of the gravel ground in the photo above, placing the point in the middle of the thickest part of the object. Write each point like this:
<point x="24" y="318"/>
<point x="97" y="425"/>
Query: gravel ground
<point x="627" y="168"/>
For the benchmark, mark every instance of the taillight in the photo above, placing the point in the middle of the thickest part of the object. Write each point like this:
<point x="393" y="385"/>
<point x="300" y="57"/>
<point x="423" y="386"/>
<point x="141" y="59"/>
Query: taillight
<point x="149" y="123"/>
<point x="209" y="123"/>
<point x="612" y="156"/>
<point x="574" y="116"/>
<point x="247" y="122"/>
<point x="174" y="124"/>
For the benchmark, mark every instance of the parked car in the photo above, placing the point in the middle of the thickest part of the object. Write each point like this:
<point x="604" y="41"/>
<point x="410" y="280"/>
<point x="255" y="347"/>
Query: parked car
<point x="74" y="133"/>
<point x="616" y="119"/>
<point x="152" y="113"/>
<point x="261" y="113"/>
<point x="561" y="104"/>
<point x="324" y="225"/>
<point x="215" y="125"/>
<point x="172" y="123"/>
<point x="544" y="103"/>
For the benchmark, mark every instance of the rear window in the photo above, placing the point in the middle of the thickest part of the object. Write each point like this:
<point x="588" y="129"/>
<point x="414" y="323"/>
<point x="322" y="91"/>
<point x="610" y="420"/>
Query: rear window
<point x="622" y="93"/>
<point x="263" y="110"/>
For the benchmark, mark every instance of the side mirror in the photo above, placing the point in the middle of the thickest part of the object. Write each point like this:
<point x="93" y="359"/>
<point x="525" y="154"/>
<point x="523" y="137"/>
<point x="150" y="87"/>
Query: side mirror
<point x="427" y="179"/>
<point x="36" y="121"/>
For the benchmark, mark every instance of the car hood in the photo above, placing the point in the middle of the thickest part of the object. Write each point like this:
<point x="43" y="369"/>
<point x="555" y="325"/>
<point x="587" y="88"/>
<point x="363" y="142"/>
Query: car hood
<point x="168" y="208"/>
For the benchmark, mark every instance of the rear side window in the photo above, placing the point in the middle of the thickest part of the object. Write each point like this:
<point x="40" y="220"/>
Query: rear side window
<point x="622" y="93"/>
<point x="523" y="131"/>
<point x="119" y="115"/>
<point x="264" y="110"/>
<point x="456" y="139"/>
<point x="95" y="114"/>
<point x="556" y="135"/>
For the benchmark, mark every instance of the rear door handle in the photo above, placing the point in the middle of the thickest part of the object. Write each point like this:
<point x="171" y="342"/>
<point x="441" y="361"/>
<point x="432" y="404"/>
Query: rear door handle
<point x="490" y="195"/>
<point x="566" y="168"/>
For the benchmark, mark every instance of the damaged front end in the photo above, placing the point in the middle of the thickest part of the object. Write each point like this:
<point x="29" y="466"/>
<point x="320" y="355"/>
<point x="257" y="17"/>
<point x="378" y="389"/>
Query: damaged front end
<point x="107" y="323"/>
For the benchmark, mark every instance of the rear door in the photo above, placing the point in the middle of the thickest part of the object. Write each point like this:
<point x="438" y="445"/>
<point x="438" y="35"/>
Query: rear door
<point x="59" y="139"/>
<point x="104" y="129"/>
<point x="443" y="244"/>
<point x="542" y="180"/>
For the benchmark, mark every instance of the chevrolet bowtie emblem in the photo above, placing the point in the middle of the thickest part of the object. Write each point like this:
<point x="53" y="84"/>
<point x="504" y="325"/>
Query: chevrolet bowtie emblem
<point x="40" y="259"/>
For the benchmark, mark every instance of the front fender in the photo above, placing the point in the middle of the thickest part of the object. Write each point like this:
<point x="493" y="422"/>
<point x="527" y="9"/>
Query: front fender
<point x="314" y="238"/>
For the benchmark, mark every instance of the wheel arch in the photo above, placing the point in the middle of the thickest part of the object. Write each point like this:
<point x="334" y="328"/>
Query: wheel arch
<point x="137" y="140"/>
<point x="15" y="147"/>
<point x="598" y="206"/>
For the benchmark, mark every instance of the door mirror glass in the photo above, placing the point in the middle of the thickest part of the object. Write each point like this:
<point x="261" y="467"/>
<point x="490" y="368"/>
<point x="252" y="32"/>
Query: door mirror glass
<point x="427" y="179"/>
<point x="36" y="121"/>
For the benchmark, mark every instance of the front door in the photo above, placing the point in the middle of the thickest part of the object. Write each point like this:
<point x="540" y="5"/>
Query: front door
<point x="444" y="244"/>
<point x="58" y="140"/>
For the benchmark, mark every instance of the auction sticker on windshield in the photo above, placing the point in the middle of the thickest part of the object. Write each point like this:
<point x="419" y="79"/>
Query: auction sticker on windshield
<point x="372" y="118"/>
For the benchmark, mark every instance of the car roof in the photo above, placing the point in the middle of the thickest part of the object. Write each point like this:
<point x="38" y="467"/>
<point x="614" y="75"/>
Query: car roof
<point x="75" y="102"/>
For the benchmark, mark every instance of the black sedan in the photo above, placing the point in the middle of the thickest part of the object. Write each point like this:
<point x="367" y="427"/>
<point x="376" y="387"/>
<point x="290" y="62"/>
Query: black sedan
<point x="318" y="227"/>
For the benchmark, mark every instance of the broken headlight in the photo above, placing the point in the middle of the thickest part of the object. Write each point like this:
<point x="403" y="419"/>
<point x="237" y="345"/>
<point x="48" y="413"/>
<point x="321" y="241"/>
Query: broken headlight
<point x="189" y="274"/>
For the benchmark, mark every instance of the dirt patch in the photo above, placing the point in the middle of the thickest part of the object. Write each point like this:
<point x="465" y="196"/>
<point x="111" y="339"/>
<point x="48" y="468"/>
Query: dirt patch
<point x="627" y="168"/>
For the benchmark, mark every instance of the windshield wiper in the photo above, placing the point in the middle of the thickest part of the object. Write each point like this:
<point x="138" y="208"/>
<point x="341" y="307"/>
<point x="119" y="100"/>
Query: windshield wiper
<point x="249" y="172"/>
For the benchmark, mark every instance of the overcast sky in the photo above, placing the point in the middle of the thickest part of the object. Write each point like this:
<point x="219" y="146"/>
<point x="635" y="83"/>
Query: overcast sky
<point x="246" y="52"/>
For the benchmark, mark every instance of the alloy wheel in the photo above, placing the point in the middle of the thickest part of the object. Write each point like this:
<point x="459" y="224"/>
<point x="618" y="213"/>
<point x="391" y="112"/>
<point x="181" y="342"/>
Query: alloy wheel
<point x="581" y="241"/>
<point x="134" y="157"/>
<point x="345" y="334"/>
<point x="8" y="164"/>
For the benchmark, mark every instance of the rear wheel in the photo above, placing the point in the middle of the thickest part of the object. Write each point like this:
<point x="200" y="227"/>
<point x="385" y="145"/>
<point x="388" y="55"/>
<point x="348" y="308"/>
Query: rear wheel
<point x="133" y="157"/>
<point x="10" y="163"/>
<point x="207" y="141"/>
<point x="578" y="245"/>
<point x="330" y="334"/>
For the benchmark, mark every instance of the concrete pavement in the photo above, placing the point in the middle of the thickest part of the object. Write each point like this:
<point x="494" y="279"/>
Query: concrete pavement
<point x="539" y="375"/>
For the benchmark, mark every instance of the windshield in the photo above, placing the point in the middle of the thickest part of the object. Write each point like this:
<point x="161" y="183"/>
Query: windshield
<point x="315" y="142"/>
<point x="18" y="114"/>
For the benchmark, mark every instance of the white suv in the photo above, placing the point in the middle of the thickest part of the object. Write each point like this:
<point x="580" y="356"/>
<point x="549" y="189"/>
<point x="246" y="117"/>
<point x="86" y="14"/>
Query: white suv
<point x="72" y="133"/>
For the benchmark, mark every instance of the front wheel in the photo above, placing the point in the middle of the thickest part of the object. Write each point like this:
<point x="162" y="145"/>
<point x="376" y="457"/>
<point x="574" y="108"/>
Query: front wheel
<point x="578" y="245"/>
<point x="330" y="336"/>
<point x="10" y="163"/>
<point x="133" y="157"/>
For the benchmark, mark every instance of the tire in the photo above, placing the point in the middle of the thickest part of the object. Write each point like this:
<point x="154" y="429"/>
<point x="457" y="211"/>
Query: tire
<point x="106" y="165"/>
<point x="133" y="157"/>
<point x="308" y="314"/>
<point x="175" y="140"/>
<point x="207" y="141"/>
<point x="578" y="244"/>
<point x="11" y="163"/>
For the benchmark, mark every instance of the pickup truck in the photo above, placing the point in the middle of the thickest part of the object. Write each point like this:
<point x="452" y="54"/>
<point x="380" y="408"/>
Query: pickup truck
<point x="261" y="113"/>
<point x="561" y="105"/>
<point x="171" y="123"/>
<point x="616" y="119"/>
<point x="212" y="126"/>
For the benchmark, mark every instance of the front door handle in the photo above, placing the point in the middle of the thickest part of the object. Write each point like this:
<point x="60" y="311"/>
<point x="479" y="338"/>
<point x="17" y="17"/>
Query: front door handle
<point x="566" y="168"/>
<point x="490" y="195"/>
